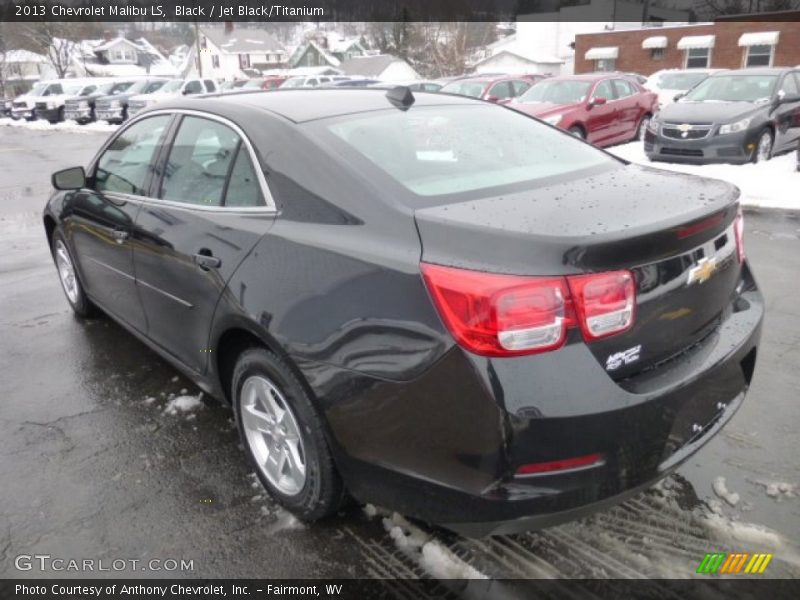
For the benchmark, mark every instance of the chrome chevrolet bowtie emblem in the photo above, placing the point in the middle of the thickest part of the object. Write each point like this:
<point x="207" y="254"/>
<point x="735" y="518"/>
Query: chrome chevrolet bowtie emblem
<point x="684" y="129"/>
<point x="702" y="271"/>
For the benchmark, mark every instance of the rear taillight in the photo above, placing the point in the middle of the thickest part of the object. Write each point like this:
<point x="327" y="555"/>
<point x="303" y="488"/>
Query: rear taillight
<point x="604" y="303"/>
<point x="738" y="230"/>
<point x="509" y="315"/>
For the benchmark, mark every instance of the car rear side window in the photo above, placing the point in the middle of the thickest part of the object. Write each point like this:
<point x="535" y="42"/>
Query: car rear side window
<point x="199" y="162"/>
<point x="520" y="87"/>
<point x="243" y="187"/>
<point x="502" y="90"/>
<point x="210" y="87"/>
<point x="624" y="88"/>
<point x="127" y="163"/>
<point x="193" y="87"/>
<point x="440" y="150"/>
<point x="605" y="90"/>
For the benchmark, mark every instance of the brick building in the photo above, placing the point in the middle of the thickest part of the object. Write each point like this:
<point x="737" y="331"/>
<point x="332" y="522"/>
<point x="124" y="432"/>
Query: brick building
<point x="721" y="45"/>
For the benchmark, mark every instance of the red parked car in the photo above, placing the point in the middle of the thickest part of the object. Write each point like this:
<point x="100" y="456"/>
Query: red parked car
<point x="602" y="108"/>
<point x="271" y="82"/>
<point x="494" y="88"/>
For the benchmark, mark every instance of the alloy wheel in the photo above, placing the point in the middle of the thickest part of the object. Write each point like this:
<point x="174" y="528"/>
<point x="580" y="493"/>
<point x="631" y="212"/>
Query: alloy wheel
<point x="764" y="149"/>
<point x="643" y="125"/>
<point x="273" y="435"/>
<point x="66" y="272"/>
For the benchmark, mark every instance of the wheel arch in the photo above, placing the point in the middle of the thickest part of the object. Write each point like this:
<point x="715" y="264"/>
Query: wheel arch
<point x="49" y="228"/>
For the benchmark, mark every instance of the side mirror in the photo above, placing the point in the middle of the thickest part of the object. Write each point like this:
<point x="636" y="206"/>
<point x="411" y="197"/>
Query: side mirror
<point x="789" y="98"/>
<point x="73" y="178"/>
<point x="678" y="97"/>
<point x="597" y="101"/>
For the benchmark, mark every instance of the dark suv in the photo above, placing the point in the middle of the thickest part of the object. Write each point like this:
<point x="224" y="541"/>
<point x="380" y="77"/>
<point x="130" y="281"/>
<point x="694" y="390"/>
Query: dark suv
<point x="738" y="116"/>
<point x="114" y="108"/>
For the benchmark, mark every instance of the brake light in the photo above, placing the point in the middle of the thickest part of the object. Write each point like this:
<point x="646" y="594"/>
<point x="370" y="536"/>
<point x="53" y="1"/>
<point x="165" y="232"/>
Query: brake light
<point x="604" y="303"/>
<point x="738" y="230"/>
<point x="510" y="315"/>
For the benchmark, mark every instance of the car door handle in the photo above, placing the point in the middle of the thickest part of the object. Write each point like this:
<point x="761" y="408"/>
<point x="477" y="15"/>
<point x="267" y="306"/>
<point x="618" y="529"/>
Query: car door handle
<point x="120" y="235"/>
<point x="206" y="261"/>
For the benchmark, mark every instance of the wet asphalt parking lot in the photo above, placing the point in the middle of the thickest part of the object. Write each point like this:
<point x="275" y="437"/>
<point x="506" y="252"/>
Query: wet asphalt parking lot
<point x="93" y="466"/>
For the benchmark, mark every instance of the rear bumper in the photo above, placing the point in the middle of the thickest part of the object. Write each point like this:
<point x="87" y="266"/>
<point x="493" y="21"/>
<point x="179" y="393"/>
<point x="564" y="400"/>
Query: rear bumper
<point x="444" y="447"/>
<point x="731" y="148"/>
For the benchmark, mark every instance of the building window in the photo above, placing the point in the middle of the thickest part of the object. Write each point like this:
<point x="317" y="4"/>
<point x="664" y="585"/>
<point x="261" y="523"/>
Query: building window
<point x="758" y="56"/>
<point x="605" y="64"/>
<point x="244" y="61"/>
<point x="657" y="54"/>
<point x="698" y="58"/>
<point x="215" y="61"/>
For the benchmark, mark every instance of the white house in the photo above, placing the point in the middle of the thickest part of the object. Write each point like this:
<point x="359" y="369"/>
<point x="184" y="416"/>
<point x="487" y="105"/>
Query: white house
<point x="226" y="53"/>
<point x="380" y="66"/>
<point x="507" y="55"/>
<point x="113" y="57"/>
<point x="18" y="70"/>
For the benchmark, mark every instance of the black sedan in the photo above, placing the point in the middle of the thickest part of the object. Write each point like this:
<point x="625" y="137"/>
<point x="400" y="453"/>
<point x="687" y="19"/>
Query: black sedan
<point x="732" y="116"/>
<point x="423" y="301"/>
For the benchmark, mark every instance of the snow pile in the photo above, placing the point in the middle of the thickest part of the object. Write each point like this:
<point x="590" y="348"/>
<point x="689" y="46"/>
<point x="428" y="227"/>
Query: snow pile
<point x="768" y="184"/>
<point x="183" y="404"/>
<point x="40" y="125"/>
<point x="779" y="489"/>
<point x="432" y="556"/>
<point x="721" y="490"/>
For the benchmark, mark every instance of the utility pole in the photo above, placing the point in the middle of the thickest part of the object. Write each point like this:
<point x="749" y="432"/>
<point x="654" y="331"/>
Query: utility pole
<point x="197" y="47"/>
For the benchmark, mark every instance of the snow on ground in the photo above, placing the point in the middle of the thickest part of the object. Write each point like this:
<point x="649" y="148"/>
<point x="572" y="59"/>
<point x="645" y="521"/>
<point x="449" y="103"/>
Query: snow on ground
<point x="774" y="184"/>
<point x="183" y="403"/>
<point x="431" y="554"/>
<point x="721" y="490"/>
<point x="71" y="126"/>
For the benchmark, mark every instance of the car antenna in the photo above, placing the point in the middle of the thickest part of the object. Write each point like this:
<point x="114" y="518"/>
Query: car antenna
<point x="400" y="97"/>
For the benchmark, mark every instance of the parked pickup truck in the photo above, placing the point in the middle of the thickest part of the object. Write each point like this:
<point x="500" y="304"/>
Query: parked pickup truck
<point x="114" y="108"/>
<point x="81" y="108"/>
<point x="172" y="89"/>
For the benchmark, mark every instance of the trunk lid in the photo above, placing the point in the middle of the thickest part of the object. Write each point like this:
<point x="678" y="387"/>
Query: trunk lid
<point x="658" y="224"/>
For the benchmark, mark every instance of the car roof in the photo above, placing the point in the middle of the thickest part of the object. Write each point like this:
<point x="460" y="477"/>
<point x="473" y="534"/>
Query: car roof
<point x="589" y="76"/>
<point x="299" y="105"/>
<point x="755" y="71"/>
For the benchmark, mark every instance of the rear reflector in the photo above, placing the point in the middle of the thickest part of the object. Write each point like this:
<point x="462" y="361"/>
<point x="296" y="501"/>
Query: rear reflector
<point x="738" y="229"/>
<point x="510" y="315"/>
<point x="590" y="460"/>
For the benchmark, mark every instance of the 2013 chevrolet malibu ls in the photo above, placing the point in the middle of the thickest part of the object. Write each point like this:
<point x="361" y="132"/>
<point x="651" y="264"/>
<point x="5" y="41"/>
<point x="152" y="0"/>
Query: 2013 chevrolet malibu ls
<point x="427" y="302"/>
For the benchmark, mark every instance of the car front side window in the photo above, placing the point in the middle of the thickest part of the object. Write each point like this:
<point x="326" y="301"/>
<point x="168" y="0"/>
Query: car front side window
<point x="126" y="164"/>
<point x="605" y="90"/>
<point x="193" y="87"/>
<point x="199" y="162"/>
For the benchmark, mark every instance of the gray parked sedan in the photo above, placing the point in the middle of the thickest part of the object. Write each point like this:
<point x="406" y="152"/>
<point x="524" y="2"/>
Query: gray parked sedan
<point x="733" y="116"/>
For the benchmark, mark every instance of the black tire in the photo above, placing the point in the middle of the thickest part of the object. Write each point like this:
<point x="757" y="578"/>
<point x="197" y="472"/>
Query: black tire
<point x="766" y="131"/>
<point x="322" y="493"/>
<point x="577" y="132"/>
<point x="81" y="305"/>
<point x="641" y="128"/>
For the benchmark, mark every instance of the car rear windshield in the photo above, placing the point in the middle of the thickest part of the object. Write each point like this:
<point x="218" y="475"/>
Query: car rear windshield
<point x="465" y="88"/>
<point x="734" y="88"/>
<point x="557" y="92"/>
<point x="680" y="81"/>
<point x="440" y="150"/>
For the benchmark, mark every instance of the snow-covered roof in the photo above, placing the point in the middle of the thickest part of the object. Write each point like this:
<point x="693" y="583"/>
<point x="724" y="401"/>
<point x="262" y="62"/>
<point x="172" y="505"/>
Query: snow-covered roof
<point x="527" y="57"/>
<point x="654" y="41"/>
<point x="111" y="43"/>
<point x="696" y="41"/>
<point x="601" y="53"/>
<point x="23" y="56"/>
<point x="368" y="66"/>
<point x="243" y="41"/>
<point x="298" y="53"/>
<point x="759" y="38"/>
<point x="337" y="43"/>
